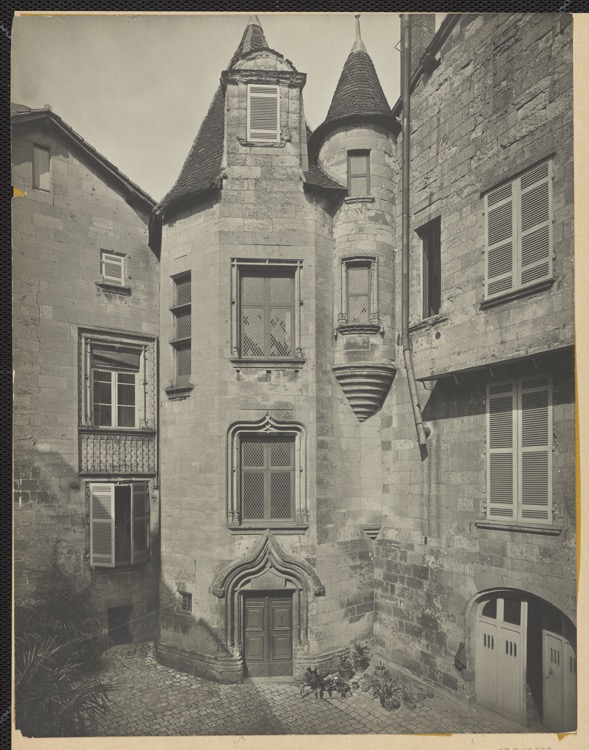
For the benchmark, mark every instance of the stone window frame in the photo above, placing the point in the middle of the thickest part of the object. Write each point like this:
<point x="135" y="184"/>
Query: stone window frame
<point x="432" y="228"/>
<point x="365" y="153"/>
<point x="265" y="265"/>
<point x="181" y="382"/>
<point x="270" y="427"/>
<point x="374" y="322"/>
<point x="110" y="283"/>
<point x="145" y="396"/>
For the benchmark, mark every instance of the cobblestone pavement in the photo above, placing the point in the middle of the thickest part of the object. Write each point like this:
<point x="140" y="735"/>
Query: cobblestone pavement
<point x="152" y="700"/>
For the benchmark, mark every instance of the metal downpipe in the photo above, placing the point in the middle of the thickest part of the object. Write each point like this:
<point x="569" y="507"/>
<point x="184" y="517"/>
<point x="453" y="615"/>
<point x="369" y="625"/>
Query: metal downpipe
<point x="405" y="223"/>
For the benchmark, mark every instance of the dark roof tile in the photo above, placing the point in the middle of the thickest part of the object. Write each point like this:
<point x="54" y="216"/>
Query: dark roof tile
<point x="202" y="168"/>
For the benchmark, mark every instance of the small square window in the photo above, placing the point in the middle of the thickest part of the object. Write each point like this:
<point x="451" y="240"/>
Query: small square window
<point x="41" y="168"/>
<point x="359" y="174"/>
<point x="112" y="267"/>
<point x="185" y="601"/>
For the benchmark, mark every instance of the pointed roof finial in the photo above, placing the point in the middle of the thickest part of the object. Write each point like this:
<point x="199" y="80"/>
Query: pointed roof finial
<point x="254" y="21"/>
<point x="358" y="43"/>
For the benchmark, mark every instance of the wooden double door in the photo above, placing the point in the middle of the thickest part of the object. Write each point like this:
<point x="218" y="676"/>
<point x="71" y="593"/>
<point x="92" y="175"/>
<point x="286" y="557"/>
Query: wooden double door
<point x="267" y="634"/>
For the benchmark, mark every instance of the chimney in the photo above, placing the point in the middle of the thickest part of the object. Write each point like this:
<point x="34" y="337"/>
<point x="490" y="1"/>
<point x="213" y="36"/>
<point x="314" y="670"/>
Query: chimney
<point x="423" y="28"/>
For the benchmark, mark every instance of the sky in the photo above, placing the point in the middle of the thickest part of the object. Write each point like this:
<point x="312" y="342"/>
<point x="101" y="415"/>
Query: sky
<point x="137" y="87"/>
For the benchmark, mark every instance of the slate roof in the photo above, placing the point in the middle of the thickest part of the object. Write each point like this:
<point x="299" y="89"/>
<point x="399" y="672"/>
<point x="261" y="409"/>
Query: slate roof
<point x="358" y="91"/>
<point x="358" y="96"/>
<point x="201" y="170"/>
<point x="21" y="114"/>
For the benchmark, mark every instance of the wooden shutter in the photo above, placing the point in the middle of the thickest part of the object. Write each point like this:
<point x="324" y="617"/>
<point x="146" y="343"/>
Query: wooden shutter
<point x="500" y="241"/>
<point x="501" y="445"/>
<point x="140" y="511"/>
<point x="41" y="168"/>
<point x="535" y="448"/>
<point x="102" y="525"/>
<point x="535" y="188"/>
<point x="263" y="113"/>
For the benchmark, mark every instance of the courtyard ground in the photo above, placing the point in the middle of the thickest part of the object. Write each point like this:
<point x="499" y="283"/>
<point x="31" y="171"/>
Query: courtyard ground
<point x="152" y="700"/>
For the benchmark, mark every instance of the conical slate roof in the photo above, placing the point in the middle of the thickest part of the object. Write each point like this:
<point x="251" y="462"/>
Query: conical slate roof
<point x="253" y="38"/>
<point x="358" y="91"/>
<point x="358" y="94"/>
<point x="202" y="169"/>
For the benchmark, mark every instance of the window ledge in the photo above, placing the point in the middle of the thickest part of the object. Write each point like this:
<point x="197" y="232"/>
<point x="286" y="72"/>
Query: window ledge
<point x="258" y="528"/>
<point x="360" y="199"/>
<point x="346" y="329"/>
<point x="179" y="391"/>
<point x="113" y="288"/>
<point x="430" y="322"/>
<point x="270" y="363"/>
<point x="264" y="144"/>
<point x="517" y="293"/>
<point x="520" y="528"/>
<point x="119" y="430"/>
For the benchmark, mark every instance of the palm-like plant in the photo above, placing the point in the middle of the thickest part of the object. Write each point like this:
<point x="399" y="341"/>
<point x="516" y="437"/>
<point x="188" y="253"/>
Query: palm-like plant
<point x="54" y="698"/>
<point x="57" y="646"/>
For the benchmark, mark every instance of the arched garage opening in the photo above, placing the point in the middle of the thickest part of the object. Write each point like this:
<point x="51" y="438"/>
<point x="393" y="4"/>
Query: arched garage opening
<point x="525" y="659"/>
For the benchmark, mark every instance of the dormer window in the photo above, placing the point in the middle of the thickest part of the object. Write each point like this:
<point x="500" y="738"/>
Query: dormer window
<point x="263" y="113"/>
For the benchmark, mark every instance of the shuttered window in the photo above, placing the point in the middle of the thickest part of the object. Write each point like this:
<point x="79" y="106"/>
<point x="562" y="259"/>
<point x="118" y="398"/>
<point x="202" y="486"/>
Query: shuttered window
<point x="119" y="524"/>
<point x="112" y="268"/>
<point x="519" y="232"/>
<point x="267" y="478"/>
<point x="263" y="113"/>
<point x="41" y="168"/>
<point x="519" y="450"/>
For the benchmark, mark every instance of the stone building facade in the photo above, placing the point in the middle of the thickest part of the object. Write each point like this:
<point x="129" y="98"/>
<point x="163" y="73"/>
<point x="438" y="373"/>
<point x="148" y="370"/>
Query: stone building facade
<point x="298" y="513"/>
<point x="85" y="354"/>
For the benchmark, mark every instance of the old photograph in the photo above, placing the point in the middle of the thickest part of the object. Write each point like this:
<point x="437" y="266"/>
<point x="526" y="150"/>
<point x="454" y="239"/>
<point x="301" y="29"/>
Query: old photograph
<point x="294" y="375"/>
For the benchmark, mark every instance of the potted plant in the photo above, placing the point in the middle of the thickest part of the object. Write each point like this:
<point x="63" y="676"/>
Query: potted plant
<point x="345" y="667"/>
<point x="380" y="671"/>
<point x="360" y="657"/>
<point x="319" y="684"/>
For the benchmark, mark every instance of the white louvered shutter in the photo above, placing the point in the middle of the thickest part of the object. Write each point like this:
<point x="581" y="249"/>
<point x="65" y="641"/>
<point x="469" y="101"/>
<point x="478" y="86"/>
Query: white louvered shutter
<point x="140" y="523"/>
<point x="263" y="113"/>
<point x="500" y="241"/>
<point x="535" y="225"/>
<point x="535" y="447"/>
<point x="501" y="446"/>
<point x="102" y="525"/>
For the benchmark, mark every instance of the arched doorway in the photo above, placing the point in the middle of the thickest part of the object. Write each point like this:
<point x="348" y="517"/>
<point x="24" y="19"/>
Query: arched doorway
<point x="266" y="597"/>
<point x="525" y="659"/>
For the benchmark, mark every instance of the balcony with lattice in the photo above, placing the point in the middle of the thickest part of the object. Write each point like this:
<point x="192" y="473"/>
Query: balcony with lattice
<point x="118" y="452"/>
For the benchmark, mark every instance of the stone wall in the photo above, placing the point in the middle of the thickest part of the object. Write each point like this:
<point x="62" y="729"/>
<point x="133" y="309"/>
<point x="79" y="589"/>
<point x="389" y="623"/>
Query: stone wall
<point x="500" y="101"/>
<point x="57" y="239"/>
